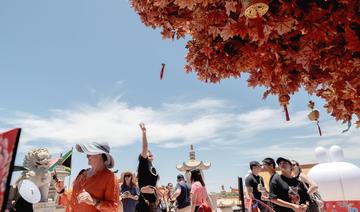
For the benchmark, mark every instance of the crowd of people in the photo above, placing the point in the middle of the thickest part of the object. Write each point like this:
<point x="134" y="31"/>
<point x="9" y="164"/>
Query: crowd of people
<point x="98" y="189"/>
<point x="290" y="190"/>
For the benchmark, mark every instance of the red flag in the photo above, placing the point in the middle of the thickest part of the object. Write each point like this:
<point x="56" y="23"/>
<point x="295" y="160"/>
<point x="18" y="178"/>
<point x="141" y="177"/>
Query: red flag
<point x="8" y="146"/>
<point x="162" y="70"/>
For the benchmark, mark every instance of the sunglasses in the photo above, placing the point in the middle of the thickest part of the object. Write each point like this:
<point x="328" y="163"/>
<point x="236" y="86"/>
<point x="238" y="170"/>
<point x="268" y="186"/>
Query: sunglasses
<point x="294" y="164"/>
<point x="127" y="176"/>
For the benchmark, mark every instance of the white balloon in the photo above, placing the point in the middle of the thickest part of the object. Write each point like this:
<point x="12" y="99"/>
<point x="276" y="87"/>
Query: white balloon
<point x="337" y="180"/>
<point x="336" y="153"/>
<point x="321" y="155"/>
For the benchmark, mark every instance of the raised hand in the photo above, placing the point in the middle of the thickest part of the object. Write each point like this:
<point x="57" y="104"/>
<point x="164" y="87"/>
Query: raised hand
<point x="142" y="127"/>
<point x="59" y="185"/>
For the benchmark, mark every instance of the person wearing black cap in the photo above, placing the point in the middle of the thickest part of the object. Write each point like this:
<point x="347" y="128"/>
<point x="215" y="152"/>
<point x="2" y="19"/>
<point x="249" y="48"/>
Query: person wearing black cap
<point x="268" y="165"/>
<point x="286" y="192"/>
<point x="252" y="183"/>
<point x="147" y="177"/>
<point x="182" y="195"/>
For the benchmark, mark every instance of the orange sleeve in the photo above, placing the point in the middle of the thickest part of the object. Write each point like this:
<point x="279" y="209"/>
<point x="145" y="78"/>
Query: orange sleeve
<point x="64" y="199"/>
<point x="111" y="202"/>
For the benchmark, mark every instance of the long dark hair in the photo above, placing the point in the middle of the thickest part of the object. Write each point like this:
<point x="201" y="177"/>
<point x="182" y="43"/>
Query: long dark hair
<point x="298" y="165"/>
<point x="104" y="157"/>
<point x="132" y="184"/>
<point x="196" y="176"/>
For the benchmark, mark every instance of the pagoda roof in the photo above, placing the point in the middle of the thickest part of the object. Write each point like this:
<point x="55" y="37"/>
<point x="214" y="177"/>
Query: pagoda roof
<point x="193" y="164"/>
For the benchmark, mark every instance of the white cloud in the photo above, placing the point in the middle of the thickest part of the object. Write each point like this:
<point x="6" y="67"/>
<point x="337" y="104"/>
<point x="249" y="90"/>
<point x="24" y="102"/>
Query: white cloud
<point x="301" y="154"/>
<point x="304" y="150"/>
<point x="120" y="82"/>
<point x="211" y="121"/>
<point x="206" y="104"/>
<point x="269" y="119"/>
<point x="55" y="150"/>
<point x="116" y="122"/>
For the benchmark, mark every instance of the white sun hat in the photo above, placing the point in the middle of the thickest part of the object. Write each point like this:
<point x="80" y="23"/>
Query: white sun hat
<point x="95" y="148"/>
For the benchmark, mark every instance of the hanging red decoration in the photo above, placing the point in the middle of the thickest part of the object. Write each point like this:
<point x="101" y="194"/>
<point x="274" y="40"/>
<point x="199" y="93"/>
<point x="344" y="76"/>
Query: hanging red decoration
<point x="254" y="8"/>
<point x="282" y="45"/>
<point x="314" y="115"/>
<point x="162" y="70"/>
<point x="284" y="101"/>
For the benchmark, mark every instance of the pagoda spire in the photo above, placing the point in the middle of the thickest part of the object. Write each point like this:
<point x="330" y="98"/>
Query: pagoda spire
<point x="192" y="153"/>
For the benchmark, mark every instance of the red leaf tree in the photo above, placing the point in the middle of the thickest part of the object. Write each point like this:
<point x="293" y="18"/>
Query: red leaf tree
<point x="313" y="44"/>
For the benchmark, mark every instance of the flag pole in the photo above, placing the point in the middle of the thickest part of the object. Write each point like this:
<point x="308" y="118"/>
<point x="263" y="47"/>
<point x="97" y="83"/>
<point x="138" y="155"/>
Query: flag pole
<point x="70" y="169"/>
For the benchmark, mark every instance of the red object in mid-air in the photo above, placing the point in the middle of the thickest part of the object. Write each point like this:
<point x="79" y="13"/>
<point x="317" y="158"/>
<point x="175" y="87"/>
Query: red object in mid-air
<point x="162" y="71"/>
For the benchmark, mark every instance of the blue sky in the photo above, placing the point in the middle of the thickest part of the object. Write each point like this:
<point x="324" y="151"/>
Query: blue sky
<point x="78" y="71"/>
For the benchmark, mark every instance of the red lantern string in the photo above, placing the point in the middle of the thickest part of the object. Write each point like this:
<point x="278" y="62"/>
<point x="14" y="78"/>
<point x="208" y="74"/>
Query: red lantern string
<point x="162" y="71"/>
<point x="286" y="113"/>
<point x="319" y="129"/>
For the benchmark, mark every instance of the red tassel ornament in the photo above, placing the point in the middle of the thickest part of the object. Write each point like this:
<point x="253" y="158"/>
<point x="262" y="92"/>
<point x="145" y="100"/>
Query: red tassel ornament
<point x="284" y="101"/>
<point x="162" y="71"/>
<point x="314" y="115"/>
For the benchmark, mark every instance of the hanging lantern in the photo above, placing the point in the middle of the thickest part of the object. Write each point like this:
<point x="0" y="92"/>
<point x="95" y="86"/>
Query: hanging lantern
<point x="314" y="115"/>
<point x="255" y="8"/>
<point x="284" y="101"/>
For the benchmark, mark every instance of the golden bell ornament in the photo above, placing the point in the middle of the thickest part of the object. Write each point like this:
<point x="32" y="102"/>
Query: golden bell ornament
<point x="314" y="115"/>
<point x="255" y="8"/>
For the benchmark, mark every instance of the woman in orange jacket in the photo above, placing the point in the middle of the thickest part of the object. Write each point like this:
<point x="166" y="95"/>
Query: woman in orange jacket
<point x="96" y="188"/>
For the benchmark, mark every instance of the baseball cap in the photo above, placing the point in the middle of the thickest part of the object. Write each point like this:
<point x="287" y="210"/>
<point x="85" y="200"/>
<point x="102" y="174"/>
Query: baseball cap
<point x="180" y="177"/>
<point x="279" y="159"/>
<point x="254" y="163"/>
<point x="269" y="161"/>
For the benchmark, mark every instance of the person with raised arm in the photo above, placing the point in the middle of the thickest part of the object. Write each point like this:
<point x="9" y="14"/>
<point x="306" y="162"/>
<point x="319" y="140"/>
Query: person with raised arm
<point x="147" y="177"/>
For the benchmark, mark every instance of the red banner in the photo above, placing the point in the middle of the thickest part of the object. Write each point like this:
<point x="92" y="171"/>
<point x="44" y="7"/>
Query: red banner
<point x="8" y="146"/>
<point x="342" y="206"/>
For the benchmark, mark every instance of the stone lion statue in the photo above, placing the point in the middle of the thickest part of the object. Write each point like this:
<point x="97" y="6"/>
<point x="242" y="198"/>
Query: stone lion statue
<point x="36" y="162"/>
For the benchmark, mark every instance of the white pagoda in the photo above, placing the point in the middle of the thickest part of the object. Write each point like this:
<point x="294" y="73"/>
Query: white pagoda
<point x="192" y="163"/>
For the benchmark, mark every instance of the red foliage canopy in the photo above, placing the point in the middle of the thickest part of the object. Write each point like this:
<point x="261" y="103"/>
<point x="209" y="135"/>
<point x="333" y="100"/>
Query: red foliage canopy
<point x="309" y="43"/>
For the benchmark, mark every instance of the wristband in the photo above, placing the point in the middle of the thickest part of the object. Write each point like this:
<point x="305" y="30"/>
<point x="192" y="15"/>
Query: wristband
<point x="62" y="191"/>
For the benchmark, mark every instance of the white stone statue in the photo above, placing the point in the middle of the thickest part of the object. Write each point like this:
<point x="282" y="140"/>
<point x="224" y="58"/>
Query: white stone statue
<point x="37" y="162"/>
